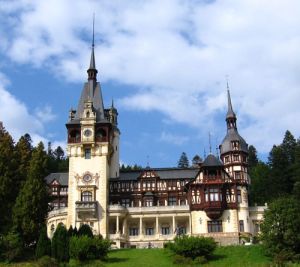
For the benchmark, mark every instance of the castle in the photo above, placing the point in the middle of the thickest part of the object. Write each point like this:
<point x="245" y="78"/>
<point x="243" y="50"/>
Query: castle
<point x="151" y="206"/>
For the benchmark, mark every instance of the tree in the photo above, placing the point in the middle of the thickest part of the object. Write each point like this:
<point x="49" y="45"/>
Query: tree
<point x="8" y="168"/>
<point x="252" y="157"/>
<point x="260" y="179"/>
<point x="196" y="160"/>
<point x="31" y="208"/>
<point x="280" y="228"/>
<point x="23" y="156"/>
<point x="43" y="247"/>
<point x="85" y="230"/>
<point x="289" y="145"/>
<point x="60" y="244"/>
<point x="183" y="161"/>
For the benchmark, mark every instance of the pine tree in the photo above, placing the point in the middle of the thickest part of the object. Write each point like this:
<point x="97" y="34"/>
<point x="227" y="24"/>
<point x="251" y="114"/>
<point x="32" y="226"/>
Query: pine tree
<point x="252" y="157"/>
<point x="289" y="146"/>
<point x="196" y="160"/>
<point x="30" y="210"/>
<point x="183" y="161"/>
<point x="43" y="247"/>
<point x="60" y="244"/>
<point x="23" y="155"/>
<point x="7" y="179"/>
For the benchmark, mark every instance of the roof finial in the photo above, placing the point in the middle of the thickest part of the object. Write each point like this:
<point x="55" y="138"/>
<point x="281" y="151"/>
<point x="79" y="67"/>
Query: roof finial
<point x="112" y="103"/>
<point x="204" y="153"/>
<point x="93" y="43"/>
<point x="209" y="139"/>
<point x="148" y="164"/>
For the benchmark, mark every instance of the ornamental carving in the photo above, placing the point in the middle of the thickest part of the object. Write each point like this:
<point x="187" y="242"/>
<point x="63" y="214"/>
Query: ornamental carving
<point x="87" y="178"/>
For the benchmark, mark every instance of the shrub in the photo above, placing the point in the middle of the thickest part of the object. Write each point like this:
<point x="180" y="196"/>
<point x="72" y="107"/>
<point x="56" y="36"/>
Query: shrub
<point x="181" y="260"/>
<point x="60" y="244"/>
<point x="193" y="247"/>
<point x="43" y="247"/>
<point x="83" y="248"/>
<point x="12" y="246"/>
<point x="85" y="230"/>
<point x="46" y="261"/>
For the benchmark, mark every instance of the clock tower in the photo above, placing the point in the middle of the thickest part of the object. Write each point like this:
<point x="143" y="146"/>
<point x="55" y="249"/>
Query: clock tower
<point x="93" y="151"/>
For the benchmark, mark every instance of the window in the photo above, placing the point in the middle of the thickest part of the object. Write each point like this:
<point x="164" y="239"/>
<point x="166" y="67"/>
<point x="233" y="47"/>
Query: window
<point x="256" y="228"/>
<point x="125" y="202"/>
<point x="52" y="228"/>
<point x="239" y="196"/>
<point x="171" y="201"/>
<point x="226" y="159"/>
<point x="182" y="202"/>
<point x="181" y="230"/>
<point x="214" y="194"/>
<point x="148" y="202"/>
<point x="87" y="153"/>
<point x="214" y="226"/>
<point x="241" y="225"/>
<point x="133" y="231"/>
<point x="165" y="230"/>
<point x="236" y="158"/>
<point x="149" y="231"/>
<point x="86" y="196"/>
<point x="237" y="175"/>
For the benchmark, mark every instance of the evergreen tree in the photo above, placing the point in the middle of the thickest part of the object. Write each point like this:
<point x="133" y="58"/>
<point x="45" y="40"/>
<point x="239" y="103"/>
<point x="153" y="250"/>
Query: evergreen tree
<point x="30" y="210"/>
<point x="60" y="244"/>
<point x="252" y="157"/>
<point x="280" y="182"/>
<point x="23" y="155"/>
<point x="85" y="230"/>
<point x="43" y="247"/>
<point x="59" y="153"/>
<point x="259" y="189"/>
<point x="7" y="179"/>
<point x="183" y="161"/>
<point x="196" y="161"/>
<point x="289" y="146"/>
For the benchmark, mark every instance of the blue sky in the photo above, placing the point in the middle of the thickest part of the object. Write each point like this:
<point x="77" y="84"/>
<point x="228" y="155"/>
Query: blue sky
<point x="163" y="62"/>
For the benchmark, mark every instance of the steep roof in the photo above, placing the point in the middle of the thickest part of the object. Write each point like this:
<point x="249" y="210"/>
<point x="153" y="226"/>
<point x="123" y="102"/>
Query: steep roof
<point x="212" y="161"/>
<point x="61" y="177"/>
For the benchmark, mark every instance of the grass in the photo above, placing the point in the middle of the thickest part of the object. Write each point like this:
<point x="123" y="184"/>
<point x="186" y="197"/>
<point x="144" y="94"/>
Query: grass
<point x="231" y="256"/>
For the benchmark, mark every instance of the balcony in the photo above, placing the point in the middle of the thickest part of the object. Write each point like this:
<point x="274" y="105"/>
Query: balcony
<point x="159" y="209"/>
<point x="86" y="209"/>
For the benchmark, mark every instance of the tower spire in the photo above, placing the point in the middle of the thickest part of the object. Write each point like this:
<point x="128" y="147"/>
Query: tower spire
<point x="92" y="71"/>
<point x="230" y="116"/>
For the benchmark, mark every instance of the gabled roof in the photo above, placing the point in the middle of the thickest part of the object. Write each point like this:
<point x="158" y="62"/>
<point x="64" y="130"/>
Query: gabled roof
<point x="61" y="177"/>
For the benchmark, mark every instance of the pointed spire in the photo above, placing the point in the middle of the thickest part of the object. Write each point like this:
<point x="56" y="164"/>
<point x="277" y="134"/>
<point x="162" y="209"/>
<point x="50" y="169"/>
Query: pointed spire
<point x="92" y="71"/>
<point x="112" y="103"/>
<point x="209" y="139"/>
<point x="230" y="116"/>
<point x="230" y="112"/>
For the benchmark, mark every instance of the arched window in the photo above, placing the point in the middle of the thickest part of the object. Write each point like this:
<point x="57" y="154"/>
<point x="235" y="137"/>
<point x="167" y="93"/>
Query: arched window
<point x="86" y="196"/>
<point x="52" y="228"/>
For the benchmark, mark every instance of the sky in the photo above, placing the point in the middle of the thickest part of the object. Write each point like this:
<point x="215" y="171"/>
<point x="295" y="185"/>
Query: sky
<point x="164" y="63"/>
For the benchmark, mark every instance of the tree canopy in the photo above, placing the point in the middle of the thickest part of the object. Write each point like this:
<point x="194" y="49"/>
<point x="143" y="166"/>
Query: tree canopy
<point x="183" y="161"/>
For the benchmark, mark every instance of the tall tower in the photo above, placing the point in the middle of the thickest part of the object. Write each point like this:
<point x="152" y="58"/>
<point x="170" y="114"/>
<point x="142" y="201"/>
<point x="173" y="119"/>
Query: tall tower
<point x="93" y="150"/>
<point x="234" y="154"/>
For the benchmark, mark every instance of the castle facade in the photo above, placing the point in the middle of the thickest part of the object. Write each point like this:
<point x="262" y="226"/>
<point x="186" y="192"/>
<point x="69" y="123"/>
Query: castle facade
<point x="151" y="206"/>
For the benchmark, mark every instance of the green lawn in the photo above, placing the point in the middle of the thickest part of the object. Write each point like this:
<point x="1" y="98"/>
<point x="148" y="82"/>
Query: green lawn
<point x="224" y="256"/>
<point x="231" y="256"/>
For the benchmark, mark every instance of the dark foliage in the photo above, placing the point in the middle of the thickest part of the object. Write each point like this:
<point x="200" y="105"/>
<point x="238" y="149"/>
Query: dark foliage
<point x="43" y="247"/>
<point x="85" y="230"/>
<point x="183" y="161"/>
<point x="280" y="229"/>
<point x="60" y="244"/>
<point x="12" y="247"/>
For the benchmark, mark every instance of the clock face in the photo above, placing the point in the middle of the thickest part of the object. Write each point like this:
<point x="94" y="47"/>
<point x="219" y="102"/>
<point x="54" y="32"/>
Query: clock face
<point x="87" y="133"/>
<point x="87" y="178"/>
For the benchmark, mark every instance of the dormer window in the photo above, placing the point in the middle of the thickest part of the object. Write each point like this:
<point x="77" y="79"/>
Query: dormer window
<point x="235" y="145"/>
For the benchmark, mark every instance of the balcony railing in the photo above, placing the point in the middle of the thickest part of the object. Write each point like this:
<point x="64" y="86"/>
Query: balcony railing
<point x="167" y="209"/>
<point x="86" y="209"/>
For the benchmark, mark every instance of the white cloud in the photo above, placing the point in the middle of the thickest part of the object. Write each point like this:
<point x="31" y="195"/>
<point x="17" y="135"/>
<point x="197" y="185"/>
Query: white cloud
<point x="177" y="53"/>
<point x="18" y="120"/>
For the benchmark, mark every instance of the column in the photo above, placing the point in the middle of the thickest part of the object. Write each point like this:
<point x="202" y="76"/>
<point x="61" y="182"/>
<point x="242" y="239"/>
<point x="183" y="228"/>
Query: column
<point x="124" y="226"/>
<point x="157" y="227"/>
<point x="173" y="223"/>
<point x="141" y="227"/>
<point x="190" y="224"/>
<point x="117" y="225"/>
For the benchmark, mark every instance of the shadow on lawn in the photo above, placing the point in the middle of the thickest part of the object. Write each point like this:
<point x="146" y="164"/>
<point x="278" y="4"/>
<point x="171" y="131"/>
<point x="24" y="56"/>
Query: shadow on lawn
<point x="116" y="260"/>
<point x="217" y="257"/>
